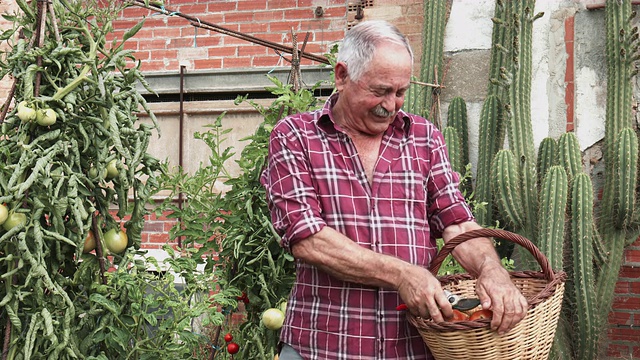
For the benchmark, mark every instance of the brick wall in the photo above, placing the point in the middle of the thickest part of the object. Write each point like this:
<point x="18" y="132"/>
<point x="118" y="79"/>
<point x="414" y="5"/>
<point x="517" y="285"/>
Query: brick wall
<point x="167" y="42"/>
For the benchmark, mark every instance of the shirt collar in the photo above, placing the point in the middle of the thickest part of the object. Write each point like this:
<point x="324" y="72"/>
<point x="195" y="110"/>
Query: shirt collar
<point x="326" y="122"/>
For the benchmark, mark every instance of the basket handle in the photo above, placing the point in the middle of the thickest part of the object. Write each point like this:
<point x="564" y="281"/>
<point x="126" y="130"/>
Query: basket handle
<point x="502" y="234"/>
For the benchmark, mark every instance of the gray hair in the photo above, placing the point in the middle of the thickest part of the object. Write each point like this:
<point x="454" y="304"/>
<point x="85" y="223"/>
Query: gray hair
<point x="360" y="42"/>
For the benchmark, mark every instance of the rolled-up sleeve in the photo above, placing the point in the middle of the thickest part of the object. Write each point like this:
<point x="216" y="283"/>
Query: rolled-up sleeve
<point x="447" y="206"/>
<point x="295" y="210"/>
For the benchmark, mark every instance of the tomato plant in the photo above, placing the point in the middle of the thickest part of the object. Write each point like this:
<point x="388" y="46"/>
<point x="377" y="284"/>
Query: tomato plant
<point x="75" y="107"/>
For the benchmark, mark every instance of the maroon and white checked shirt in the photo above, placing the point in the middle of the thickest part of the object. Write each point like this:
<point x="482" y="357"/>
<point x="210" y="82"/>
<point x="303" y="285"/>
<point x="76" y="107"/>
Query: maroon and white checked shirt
<point x="314" y="179"/>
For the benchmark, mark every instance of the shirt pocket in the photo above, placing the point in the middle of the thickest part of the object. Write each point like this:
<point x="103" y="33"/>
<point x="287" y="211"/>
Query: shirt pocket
<point x="409" y="195"/>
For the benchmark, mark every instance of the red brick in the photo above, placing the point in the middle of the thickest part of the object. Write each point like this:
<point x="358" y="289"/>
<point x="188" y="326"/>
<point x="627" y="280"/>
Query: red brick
<point x="167" y="32"/>
<point x="236" y="62"/>
<point x="624" y="334"/>
<point x="253" y="28"/>
<point x="159" y="238"/>
<point x="153" y="226"/>
<point x="193" y="9"/>
<point x="223" y="51"/>
<point x="628" y="303"/>
<point x="208" y="41"/>
<point x="282" y="4"/>
<point x="221" y="6"/>
<point x="251" y="5"/>
<point x="237" y="17"/>
<point x="152" y="44"/>
<point x="269" y="61"/>
<point x="285" y="26"/>
<point x="270" y="15"/>
<point x="251" y="50"/>
<point x="207" y="64"/>
<point x="630" y="272"/>
<point x="632" y="255"/>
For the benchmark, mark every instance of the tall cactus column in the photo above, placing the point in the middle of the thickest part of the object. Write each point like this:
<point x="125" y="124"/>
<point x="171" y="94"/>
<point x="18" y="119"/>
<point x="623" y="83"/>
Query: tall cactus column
<point x="619" y="222"/>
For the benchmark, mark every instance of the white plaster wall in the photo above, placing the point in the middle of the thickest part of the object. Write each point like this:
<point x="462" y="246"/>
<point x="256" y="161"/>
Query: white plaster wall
<point x="470" y="28"/>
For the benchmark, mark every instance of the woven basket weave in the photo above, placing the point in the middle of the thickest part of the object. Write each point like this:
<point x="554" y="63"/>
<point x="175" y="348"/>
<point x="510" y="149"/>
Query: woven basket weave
<point x="530" y="339"/>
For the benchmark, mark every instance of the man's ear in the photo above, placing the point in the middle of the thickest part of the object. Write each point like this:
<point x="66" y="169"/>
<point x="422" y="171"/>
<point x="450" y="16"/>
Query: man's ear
<point x="341" y="75"/>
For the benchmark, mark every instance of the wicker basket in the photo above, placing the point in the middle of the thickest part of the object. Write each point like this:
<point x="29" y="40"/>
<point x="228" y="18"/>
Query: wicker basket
<point x="530" y="339"/>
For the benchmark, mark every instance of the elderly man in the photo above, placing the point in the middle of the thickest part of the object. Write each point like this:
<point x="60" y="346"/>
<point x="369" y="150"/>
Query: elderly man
<point x="360" y="190"/>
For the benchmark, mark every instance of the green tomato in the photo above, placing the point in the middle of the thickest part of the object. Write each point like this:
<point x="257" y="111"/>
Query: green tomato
<point x="46" y="117"/>
<point x="112" y="169"/>
<point x="116" y="240"/>
<point x="273" y="318"/>
<point x="93" y="173"/>
<point x="25" y="112"/>
<point x="283" y="307"/>
<point x="4" y="214"/>
<point x="14" y="219"/>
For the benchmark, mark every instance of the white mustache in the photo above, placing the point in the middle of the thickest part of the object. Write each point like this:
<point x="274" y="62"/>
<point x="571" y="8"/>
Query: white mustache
<point x="382" y="112"/>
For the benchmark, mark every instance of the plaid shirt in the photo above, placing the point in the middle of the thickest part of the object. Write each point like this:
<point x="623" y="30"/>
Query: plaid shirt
<point x="315" y="179"/>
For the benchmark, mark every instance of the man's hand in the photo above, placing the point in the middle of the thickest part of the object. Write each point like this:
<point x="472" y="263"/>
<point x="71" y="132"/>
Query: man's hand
<point x="423" y="295"/>
<point x="500" y="295"/>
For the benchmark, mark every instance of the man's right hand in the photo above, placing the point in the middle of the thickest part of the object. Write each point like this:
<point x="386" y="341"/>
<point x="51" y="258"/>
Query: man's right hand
<point x="423" y="295"/>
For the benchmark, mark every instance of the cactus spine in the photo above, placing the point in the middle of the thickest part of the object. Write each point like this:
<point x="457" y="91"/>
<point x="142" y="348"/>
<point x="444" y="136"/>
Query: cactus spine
<point x="547" y="157"/>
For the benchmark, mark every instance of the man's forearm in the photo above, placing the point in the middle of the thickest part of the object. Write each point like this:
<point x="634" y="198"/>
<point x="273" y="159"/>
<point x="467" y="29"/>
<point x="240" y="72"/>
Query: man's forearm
<point x="472" y="254"/>
<point x="344" y="259"/>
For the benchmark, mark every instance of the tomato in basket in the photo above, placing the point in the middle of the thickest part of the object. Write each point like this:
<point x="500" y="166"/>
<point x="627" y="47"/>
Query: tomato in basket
<point x="459" y="316"/>
<point x="481" y="314"/>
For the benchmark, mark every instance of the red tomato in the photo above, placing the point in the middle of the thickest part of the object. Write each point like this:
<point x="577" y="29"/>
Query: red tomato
<point x="233" y="348"/>
<point x="481" y="314"/>
<point x="459" y="316"/>
<point x="228" y="337"/>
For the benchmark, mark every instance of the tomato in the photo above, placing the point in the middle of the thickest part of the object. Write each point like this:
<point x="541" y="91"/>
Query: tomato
<point x="46" y="117"/>
<point x="228" y="337"/>
<point x="112" y="169"/>
<point x="273" y="318"/>
<point x="233" y="348"/>
<point x="25" y="112"/>
<point x="89" y="243"/>
<point x="459" y="316"/>
<point x="4" y="214"/>
<point x="93" y="173"/>
<point x="14" y="219"/>
<point x="116" y="240"/>
<point x="481" y="314"/>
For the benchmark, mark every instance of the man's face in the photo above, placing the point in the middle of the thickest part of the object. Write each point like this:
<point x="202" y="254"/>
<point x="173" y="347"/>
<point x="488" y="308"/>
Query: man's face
<point x="372" y="101"/>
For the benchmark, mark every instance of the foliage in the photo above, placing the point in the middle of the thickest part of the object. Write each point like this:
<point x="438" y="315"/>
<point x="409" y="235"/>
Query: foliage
<point x="56" y="302"/>
<point x="236" y="224"/>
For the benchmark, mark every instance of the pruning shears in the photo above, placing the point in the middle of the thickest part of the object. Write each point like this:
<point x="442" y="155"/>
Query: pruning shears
<point x="457" y="302"/>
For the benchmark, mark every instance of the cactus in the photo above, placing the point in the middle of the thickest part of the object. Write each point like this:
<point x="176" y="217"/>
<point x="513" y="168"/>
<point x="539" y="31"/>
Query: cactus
<point x="420" y="97"/>
<point x="457" y="119"/>
<point x="569" y="154"/>
<point x="500" y="49"/>
<point x="583" y="274"/>
<point x="454" y="147"/>
<point x="491" y="140"/>
<point x="553" y="206"/>
<point x="547" y="157"/>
